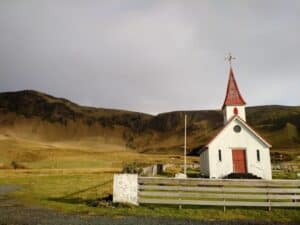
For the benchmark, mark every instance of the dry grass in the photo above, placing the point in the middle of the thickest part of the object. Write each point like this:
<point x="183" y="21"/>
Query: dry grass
<point x="84" y="154"/>
<point x="68" y="176"/>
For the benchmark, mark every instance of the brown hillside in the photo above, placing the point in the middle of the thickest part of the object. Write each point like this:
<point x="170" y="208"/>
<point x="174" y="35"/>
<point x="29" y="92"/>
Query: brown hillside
<point x="37" y="116"/>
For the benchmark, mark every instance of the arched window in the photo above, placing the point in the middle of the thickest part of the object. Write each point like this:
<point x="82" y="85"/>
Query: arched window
<point x="235" y="111"/>
<point x="220" y="155"/>
<point x="258" y="155"/>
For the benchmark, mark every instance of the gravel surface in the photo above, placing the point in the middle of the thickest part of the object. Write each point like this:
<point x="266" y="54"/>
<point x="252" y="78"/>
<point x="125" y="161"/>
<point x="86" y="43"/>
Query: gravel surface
<point x="6" y="189"/>
<point x="13" y="213"/>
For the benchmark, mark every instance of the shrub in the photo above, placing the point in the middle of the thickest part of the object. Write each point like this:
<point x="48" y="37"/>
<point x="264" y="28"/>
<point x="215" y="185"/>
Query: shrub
<point x="132" y="168"/>
<point x="17" y="165"/>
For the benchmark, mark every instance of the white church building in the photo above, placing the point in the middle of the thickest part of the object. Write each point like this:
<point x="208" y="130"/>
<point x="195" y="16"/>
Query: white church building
<point x="236" y="148"/>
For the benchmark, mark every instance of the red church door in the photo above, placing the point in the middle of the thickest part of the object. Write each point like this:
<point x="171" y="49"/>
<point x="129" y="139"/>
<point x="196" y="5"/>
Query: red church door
<point x="239" y="161"/>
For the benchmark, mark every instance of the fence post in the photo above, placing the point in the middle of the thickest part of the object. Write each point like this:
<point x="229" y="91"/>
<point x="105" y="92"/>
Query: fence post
<point x="179" y="197"/>
<point x="268" y="194"/>
<point x="224" y="201"/>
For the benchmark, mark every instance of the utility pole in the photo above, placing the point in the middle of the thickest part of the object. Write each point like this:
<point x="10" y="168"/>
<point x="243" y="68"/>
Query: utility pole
<point x="185" y="118"/>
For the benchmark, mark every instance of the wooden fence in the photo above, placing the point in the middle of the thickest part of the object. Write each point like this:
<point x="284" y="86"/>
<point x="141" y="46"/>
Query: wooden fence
<point x="253" y="193"/>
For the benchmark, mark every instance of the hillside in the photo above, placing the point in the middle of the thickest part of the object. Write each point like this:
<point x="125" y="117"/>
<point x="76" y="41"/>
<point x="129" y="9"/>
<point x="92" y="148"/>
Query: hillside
<point x="36" y="116"/>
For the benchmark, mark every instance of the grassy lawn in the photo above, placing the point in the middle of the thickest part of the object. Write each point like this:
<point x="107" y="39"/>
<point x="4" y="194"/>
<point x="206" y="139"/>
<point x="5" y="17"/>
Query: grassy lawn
<point x="71" y="179"/>
<point x="284" y="175"/>
<point x="76" y="193"/>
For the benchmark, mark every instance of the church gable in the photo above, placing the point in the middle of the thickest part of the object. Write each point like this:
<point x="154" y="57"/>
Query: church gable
<point x="255" y="134"/>
<point x="236" y="129"/>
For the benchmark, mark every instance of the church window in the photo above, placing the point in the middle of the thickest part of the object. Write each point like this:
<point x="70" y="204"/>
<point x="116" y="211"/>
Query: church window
<point x="237" y="129"/>
<point x="235" y="111"/>
<point x="258" y="155"/>
<point x="220" y="155"/>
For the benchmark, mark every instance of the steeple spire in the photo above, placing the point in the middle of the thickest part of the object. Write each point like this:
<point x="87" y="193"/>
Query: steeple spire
<point x="233" y="96"/>
<point x="234" y="104"/>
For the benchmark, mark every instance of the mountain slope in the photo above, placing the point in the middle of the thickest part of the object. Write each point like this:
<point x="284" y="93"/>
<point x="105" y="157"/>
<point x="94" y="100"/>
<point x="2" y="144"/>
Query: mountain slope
<point x="37" y="116"/>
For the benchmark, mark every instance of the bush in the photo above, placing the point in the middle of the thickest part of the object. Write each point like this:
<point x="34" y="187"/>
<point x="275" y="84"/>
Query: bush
<point x="17" y="165"/>
<point x="132" y="168"/>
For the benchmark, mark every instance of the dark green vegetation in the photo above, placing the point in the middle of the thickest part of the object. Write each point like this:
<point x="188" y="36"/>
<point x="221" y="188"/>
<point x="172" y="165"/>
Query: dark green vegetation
<point x="39" y="116"/>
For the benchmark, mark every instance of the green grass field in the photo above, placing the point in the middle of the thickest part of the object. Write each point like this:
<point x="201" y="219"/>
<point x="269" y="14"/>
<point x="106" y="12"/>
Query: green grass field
<point x="77" y="192"/>
<point x="71" y="179"/>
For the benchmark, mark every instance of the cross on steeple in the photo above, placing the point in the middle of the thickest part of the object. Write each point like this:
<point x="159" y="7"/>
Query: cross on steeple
<point x="229" y="58"/>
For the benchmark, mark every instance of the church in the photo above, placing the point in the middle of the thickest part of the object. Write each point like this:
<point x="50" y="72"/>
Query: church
<point x="236" y="148"/>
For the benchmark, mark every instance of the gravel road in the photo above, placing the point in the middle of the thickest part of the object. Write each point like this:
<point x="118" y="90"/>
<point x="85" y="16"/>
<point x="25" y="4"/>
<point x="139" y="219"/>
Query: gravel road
<point x="14" y="213"/>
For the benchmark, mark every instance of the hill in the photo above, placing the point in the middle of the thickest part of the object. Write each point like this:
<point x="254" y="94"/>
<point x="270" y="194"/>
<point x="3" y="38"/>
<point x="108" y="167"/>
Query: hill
<point x="32" y="115"/>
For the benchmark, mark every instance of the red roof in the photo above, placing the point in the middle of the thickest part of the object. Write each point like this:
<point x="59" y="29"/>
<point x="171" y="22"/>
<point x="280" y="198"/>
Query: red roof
<point x="233" y="95"/>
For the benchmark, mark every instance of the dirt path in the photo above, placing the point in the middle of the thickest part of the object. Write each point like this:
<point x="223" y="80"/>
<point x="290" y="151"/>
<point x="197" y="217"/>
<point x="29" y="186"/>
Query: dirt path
<point x="14" y="213"/>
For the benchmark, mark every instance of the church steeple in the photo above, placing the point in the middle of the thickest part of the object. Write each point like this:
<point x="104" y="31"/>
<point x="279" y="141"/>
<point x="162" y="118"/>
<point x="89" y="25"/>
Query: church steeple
<point x="234" y="104"/>
<point x="233" y="95"/>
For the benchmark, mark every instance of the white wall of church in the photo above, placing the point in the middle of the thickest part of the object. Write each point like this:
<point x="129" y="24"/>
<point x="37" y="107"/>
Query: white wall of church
<point x="204" y="163"/>
<point x="228" y="112"/>
<point x="227" y="140"/>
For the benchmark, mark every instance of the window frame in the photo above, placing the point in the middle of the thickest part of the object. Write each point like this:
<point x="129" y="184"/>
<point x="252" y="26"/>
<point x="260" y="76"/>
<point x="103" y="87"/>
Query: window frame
<point x="237" y="128"/>
<point x="220" y="155"/>
<point x="258" y="158"/>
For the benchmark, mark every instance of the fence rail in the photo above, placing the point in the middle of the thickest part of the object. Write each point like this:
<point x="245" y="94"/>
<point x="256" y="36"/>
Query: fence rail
<point x="253" y="193"/>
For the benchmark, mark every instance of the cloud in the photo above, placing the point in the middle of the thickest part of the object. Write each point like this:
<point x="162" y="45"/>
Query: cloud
<point x="151" y="56"/>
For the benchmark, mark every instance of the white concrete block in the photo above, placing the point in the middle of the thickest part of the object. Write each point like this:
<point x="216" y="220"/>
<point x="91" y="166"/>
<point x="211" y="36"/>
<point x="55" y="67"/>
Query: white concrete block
<point x="125" y="188"/>
<point x="180" y="176"/>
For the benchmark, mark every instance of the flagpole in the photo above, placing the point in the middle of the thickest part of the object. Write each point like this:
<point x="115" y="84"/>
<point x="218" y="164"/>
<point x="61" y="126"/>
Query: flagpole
<point x="185" y="118"/>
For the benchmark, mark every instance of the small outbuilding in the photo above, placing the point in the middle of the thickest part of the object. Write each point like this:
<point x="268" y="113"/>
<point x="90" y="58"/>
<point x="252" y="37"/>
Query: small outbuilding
<point x="236" y="148"/>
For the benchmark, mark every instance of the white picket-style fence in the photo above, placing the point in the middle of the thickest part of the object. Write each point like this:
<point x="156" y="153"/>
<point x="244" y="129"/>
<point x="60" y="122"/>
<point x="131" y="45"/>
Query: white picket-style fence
<point x="221" y="192"/>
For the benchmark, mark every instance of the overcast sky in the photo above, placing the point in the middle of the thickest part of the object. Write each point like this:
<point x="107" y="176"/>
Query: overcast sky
<point x="151" y="56"/>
